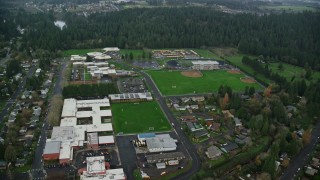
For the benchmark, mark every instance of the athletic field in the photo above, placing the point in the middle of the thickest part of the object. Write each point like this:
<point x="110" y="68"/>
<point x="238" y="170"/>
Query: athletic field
<point x="174" y="83"/>
<point x="132" y="118"/>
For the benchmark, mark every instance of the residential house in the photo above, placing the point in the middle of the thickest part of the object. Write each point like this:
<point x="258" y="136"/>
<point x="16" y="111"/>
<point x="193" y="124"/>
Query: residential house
<point x="20" y="162"/>
<point x="198" y="98"/>
<point x="241" y="139"/>
<point x="180" y="108"/>
<point x="194" y="107"/>
<point x="12" y="118"/>
<point x="229" y="147"/>
<point x="214" y="126"/>
<point x="310" y="171"/>
<point x="174" y="100"/>
<point x="213" y="152"/>
<point x="188" y="119"/>
<point x="200" y="133"/>
<point x="237" y="122"/>
<point x="36" y="111"/>
<point x="210" y="107"/>
<point x="194" y="126"/>
<point x="23" y="130"/>
<point x="26" y="95"/>
<point x="185" y="99"/>
<point x="315" y="163"/>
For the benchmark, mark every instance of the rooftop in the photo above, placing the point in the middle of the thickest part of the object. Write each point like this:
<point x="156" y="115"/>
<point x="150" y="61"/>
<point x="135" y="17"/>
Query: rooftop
<point x="96" y="165"/>
<point x="205" y="63"/>
<point x="52" y="147"/>
<point x="63" y="133"/>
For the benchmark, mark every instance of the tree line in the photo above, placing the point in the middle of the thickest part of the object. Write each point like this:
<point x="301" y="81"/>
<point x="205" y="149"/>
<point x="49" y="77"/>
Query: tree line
<point x="89" y="90"/>
<point x="290" y="37"/>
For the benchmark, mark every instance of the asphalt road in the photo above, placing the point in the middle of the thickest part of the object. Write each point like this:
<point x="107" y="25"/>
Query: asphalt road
<point x="301" y="159"/>
<point x="192" y="152"/>
<point x="37" y="170"/>
<point x="15" y="95"/>
<point x="127" y="154"/>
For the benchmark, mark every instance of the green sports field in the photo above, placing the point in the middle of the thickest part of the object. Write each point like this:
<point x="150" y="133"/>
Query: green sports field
<point x="132" y="118"/>
<point x="173" y="83"/>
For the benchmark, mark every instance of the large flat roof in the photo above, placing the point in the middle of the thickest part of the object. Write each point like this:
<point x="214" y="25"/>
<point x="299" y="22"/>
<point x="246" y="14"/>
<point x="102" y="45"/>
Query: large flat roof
<point x="161" y="142"/>
<point x="52" y="147"/>
<point x="125" y="96"/>
<point x="96" y="165"/>
<point x="62" y="133"/>
<point x="205" y="63"/>
<point x="106" y="139"/>
<point x="107" y="49"/>
<point x="69" y="108"/>
<point x="65" y="150"/>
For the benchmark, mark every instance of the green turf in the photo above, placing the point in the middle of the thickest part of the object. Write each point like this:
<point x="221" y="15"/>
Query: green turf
<point x="137" y="53"/>
<point x="237" y="60"/>
<point x="138" y="117"/>
<point x="173" y="83"/>
<point x="79" y="51"/>
<point x="206" y="54"/>
<point x="87" y="75"/>
<point x="289" y="8"/>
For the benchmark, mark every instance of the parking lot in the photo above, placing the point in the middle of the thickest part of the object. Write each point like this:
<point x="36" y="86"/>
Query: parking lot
<point x="151" y="170"/>
<point x="132" y="85"/>
<point x="147" y="64"/>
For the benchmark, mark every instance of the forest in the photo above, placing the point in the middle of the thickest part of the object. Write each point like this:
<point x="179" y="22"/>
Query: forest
<point x="290" y="37"/>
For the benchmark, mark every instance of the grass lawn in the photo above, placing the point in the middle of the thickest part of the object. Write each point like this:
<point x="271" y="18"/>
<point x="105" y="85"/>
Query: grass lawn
<point x="137" y="53"/>
<point x="206" y="54"/>
<point x="289" y="71"/>
<point x="173" y="83"/>
<point x="79" y="51"/>
<point x="237" y="60"/>
<point x="87" y="75"/>
<point x="138" y="117"/>
<point x="289" y="8"/>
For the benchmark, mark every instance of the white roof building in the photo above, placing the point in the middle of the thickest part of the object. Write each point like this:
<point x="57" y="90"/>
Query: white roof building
<point x="98" y="56"/>
<point x="106" y="140"/>
<point x="111" y="49"/>
<point x="205" y="65"/>
<point x="77" y="58"/>
<point x="96" y="170"/>
<point x="70" y="133"/>
<point x="160" y="143"/>
<point x="131" y="96"/>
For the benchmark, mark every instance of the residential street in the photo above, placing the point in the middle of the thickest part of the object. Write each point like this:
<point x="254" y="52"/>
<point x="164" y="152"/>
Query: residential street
<point x="301" y="159"/>
<point x="15" y="95"/>
<point x="196" y="162"/>
<point x="37" y="170"/>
